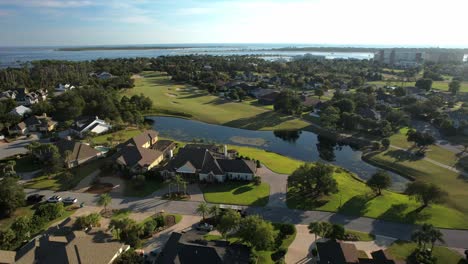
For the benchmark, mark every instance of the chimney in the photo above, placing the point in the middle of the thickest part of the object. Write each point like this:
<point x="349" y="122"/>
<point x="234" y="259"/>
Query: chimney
<point x="225" y="151"/>
<point x="171" y="153"/>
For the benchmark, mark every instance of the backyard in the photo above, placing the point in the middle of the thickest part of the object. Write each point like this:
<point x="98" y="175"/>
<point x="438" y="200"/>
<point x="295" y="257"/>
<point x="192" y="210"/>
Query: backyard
<point x="170" y="97"/>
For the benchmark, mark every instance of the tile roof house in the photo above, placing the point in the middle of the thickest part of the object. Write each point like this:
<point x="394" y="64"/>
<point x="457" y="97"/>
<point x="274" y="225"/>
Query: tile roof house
<point x="41" y="123"/>
<point x="8" y="94"/>
<point x="24" y="97"/>
<point x="76" y="153"/>
<point x="63" y="88"/>
<point x="76" y="248"/>
<point x="20" y="110"/>
<point x="143" y="152"/>
<point x="178" y="250"/>
<point x="90" y="125"/>
<point x="208" y="166"/>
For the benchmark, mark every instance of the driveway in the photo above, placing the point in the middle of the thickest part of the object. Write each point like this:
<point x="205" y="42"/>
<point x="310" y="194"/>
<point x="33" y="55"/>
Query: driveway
<point x="16" y="147"/>
<point x="300" y="248"/>
<point x="158" y="241"/>
<point x="278" y="186"/>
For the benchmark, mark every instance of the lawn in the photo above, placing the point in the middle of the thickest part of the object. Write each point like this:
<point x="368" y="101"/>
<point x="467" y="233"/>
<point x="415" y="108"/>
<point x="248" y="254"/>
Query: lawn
<point x="438" y="85"/>
<point x="273" y="161"/>
<point x="56" y="182"/>
<point x="401" y="250"/>
<point x="451" y="182"/>
<point x="148" y="188"/>
<point x="356" y="199"/>
<point x="22" y="211"/>
<point x="184" y="100"/>
<point x="122" y="135"/>
<point x="362" y="236"/>
<point x="433" y="152"/>
<point x="239" y="193"/>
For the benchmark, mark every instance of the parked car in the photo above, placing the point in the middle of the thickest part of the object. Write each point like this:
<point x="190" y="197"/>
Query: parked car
<point x="70" y="200"/>
<point x="204" y="227"/>
<point x="34" y="198"/>
<point x="55" y="199"/>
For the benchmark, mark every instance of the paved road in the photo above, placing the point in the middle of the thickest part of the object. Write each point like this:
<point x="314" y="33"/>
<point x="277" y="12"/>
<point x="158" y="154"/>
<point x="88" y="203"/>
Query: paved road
<point x="16" y="147"/>
<point x="453" y="238"/>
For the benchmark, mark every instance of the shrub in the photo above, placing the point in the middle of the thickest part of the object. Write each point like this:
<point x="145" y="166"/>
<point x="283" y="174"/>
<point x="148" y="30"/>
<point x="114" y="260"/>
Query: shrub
<point x="37" y="223"/>
<point x="385" y="143"/>
<point x="279" y="254"/>
<point x="50" y="211"/>
<point x="375" y="145"/>
<point x="287" y="229"/>
<point x="149" y="227"/>
<point x="422" y="257"/>
<point x="257" y="180"/>
<point x="259" y="165"/>
<point x="159" y="221"/>
<point x="87" y="221"/>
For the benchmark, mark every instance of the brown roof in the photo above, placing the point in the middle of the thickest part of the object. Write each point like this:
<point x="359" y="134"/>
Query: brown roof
<point x="131" y="155"/>
<point x="43" y="120"/>
<point x="78" y="150"/>
<point x="143" y="138"/>
<point x="337" y="252"/>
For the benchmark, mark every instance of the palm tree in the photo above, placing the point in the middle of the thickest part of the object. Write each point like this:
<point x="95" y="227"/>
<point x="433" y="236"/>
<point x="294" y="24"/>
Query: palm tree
<point x="203" y="209"/>
<point x="315" y="228"/>
<point x="427" y="234"/>
<point x="215" y="211"/>
<point x="104" y="200"/>
<point x="178" y="180"/>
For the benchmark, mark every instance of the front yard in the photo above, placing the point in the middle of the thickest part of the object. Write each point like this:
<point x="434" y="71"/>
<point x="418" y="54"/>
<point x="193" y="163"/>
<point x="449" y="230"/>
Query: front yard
<point x="57" y="182"/>
<point x="401" y="250"/>
<point x="239" y="193"/>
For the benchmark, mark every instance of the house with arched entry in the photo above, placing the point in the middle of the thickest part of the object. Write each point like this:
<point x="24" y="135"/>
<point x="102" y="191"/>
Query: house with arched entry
<point x="201" y="164"/>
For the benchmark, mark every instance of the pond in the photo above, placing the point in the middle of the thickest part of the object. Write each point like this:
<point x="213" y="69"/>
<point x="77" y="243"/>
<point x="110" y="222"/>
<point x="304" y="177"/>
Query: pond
<point x="302" y="145"/>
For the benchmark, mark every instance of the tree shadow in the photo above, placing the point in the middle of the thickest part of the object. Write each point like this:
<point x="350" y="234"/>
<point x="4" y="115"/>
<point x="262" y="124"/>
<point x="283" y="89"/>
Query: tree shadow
<point x="298" y="200"/>
<point x="395" y="212"/>
<point x="267" y="119"/>
<point x="357" y="205"/>
<point x="401" y="155"/>
<point x="242" y="189"/>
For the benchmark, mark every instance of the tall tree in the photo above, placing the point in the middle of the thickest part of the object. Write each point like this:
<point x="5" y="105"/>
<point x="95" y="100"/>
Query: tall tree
<point x="426" y="193"/>
<point x="228" y="222"/>
<point x="454" y="87"/>
<point x="314" y="179"/>
<point x="11" y="195"/>
<point x="379" y="180"/>
<point x="257" y="232"/>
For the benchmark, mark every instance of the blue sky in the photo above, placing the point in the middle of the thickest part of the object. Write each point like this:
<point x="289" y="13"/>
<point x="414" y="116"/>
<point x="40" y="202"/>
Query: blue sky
<point x="105" y="22"/>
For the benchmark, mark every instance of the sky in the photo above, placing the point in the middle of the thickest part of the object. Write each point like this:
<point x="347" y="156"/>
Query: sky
<point x="427" y="23"/>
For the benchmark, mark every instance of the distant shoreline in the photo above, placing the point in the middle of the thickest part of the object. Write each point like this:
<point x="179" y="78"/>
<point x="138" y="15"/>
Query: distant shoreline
<point x="291" y="48"/>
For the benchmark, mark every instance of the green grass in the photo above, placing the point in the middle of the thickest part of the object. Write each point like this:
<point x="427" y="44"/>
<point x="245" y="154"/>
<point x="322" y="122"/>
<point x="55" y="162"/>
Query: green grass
<point x="356" y="199"/>
<point x="239" y="193"/>
<point x="421" y="169"/>
<point x="121" y="214"/>
<point x="433" y="152"/>
<point x="438" y="85"/>
<point x="22" y="211"/>
<point x="148" y="188"/>
<point x="273" y="161"/>
<point x="122" y="134"/>
<point x="56" y="182"/>
<point x="401" y="250"/>
<point x="180" y="99"/>
<point x="362" y="236"/>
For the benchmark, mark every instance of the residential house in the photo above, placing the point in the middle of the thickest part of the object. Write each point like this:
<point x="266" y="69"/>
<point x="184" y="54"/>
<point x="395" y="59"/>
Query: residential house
<point x="332" y="251"/>
<point x="76" y="248"/>
<point x="204" y="165"/>
<point x="143" y="152"/>
<point x="309" y="101"/>
<point x="76" y="153"/>
<point x="21" y="110"/>
<point x="8" y="94"/>
<point x="90" y="125"/>
<point x="41" y="123"/>
<point x="24" y="97"/>
<point x="64" y="88"/>
<point x="258" y="92"/>
<point x="19" y="129"/>
<point x="181" y="249"/>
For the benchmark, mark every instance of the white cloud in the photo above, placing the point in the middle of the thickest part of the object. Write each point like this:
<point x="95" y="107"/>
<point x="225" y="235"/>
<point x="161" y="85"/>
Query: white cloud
<point x="48" y="3"/>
